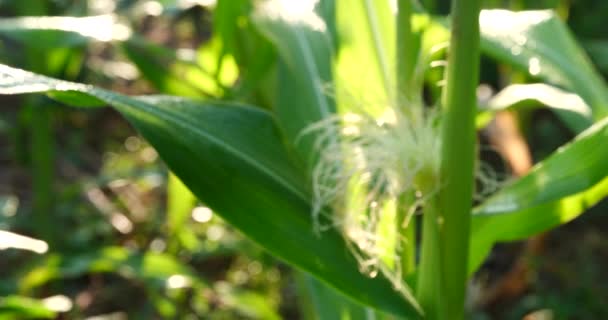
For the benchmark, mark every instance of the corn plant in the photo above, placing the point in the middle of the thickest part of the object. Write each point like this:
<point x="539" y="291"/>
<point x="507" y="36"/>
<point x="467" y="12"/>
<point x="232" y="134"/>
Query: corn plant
<point x="331" y="172"/>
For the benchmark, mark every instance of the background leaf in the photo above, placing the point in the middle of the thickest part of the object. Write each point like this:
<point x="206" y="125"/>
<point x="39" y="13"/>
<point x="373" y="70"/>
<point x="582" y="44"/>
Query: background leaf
<point x="45" y="32"/>
<point x="17" y="307"/>
<point x="167" y="73"/>
<point x="152" y="269"/>
<point x="555" y="191"/>
<point x="304" y="70"/>
<point x="572" y="108"/>
<point x="324" y="304"/>
<point x="540" y="43"/>
<point x="598" y="51"/>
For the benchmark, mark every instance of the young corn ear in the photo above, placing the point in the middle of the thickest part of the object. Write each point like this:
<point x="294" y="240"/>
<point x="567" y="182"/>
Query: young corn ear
<point x="365" y="165"/>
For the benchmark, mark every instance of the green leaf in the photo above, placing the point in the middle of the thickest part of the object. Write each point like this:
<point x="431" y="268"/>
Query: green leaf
<point x="598" y="51"/>
<point x="555" y="191"/>
<point x="540" y="43"/>
<point x="225" y="14"/>
<point x="168" y="73"/>
<point x="18" y="307"/>
<point x="305" y="68"/>
<point x="180" y="202"/>
<point x="156" y="272"/>
<point x="248" y="304"/>
<point x="153" y="269"/>
<point x="570" y="106"/>
<point x="365" y="67"/>
<point x="233" y="159"/>
<point x="571" y="169"/>
<point x="323" y="303"/>
<point x="161" y="66"/>
<point x="521" y="224"/>
<point x="253" y="54"/>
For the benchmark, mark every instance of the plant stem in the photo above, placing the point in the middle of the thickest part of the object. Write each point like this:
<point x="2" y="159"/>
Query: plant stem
<point x="428" y="289"/>
<point x="430" y="6"/>
<point x="457" y="153"/>
<point x="443" y="264"/>
<point x="407" y="235"/>
<point x="406" y="64"/>
<point x="406" y="51"/>
<point x="42" y="169"/>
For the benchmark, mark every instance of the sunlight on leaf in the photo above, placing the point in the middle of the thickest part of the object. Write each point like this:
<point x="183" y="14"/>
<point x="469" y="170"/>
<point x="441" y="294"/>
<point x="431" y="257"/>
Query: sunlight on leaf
<point x="540" y="43"/>
<point x="293" y="12"/>
<point x="571" y="107"/>
<point x="101" y="28"/>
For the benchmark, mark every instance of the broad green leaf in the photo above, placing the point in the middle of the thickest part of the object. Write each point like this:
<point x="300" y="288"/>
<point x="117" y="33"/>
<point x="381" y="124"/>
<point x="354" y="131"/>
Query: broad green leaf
<point x="202" y="76"/>
<point x="571" y="169"/>
<point x="555" y="191"/>
<point x="521" y="224"/>
<point x="304" y="69"/>
<point x="233" y="159"/>
<point x="570" y="106"/>
<point x="323" y="303"/>
<point x="540" y="43"/>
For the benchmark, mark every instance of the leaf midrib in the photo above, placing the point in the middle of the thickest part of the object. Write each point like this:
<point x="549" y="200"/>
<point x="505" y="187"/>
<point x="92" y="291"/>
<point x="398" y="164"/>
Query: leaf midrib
<point x="184" y="123"/>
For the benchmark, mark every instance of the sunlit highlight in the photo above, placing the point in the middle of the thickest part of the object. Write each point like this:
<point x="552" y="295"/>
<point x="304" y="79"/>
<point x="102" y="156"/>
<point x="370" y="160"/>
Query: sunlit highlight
<point x="58" y="303"/>
<point x="9" y="240"/>
<point x="101" y="28"/>
<point x="178" y="281"/>
<point x="295" y="12"/>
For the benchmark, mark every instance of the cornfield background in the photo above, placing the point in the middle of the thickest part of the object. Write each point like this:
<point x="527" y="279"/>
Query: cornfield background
<point x="93" y="225"/>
